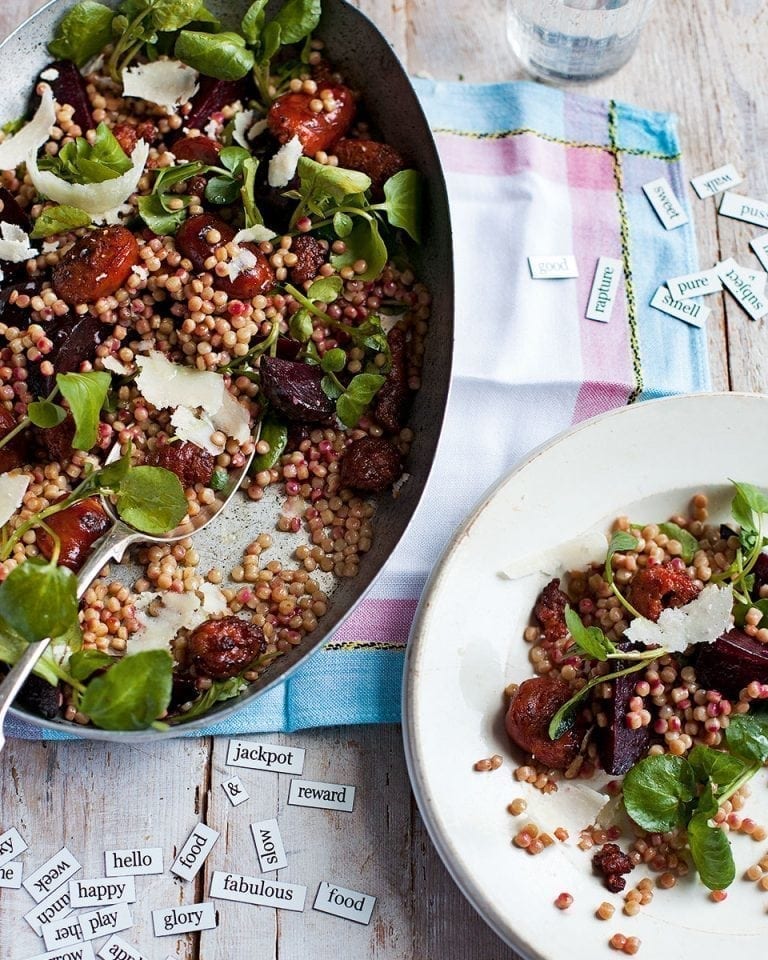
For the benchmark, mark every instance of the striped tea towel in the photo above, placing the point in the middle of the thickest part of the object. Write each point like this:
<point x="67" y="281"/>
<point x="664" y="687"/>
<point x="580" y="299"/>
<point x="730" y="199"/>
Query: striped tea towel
<point x="531" y="170"/>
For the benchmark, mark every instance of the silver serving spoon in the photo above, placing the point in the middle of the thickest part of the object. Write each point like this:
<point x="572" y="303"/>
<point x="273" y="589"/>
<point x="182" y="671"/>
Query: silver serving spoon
<point x="112" y="546"/>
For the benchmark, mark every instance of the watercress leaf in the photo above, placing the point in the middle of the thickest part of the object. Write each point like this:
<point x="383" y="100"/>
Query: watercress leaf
<point x="85" y="393"/>
<point x="253" y="22"/>
<point x="342" y="224"/>
<point x="716" y="766"/>
<point x="83" y="663"/>
<point x="151" y="499"/>
<point x="159" y="220"/>
<point x="45" y="414"/>
<point x="221" y="55"/>
<point x="296" y="19"/>
<point x="752" y="497"/>
<point x="687" y="541"/>
<point x="11" y="649"/>
<point x="747" y="736"/>
<point x="170" y="176"/>
<point x="590" y="640"/>
<point x="83" y="32"/>
<point x="274" y="433"/>
<point x="222" y="190"/>
<point x="363" y="243"/>
<point x="658" y="791"/>
<point x="233" y="158"/>
<point x="357" y="396"/>
<point x="270" y="41"/>
<point x="320" y="180"/>
<point x="248" y="192"/>
<point x="300" y="325"/>
<point x="106" y="149"/>
<point x="112" y="475"/>
<point x="334" y="360"/>
<point x="132" y="693"/>
<point x="402" y="194"/>
<point x="711" y="853"/>
<point x="174" y="14"/>
<point x="331" y="388"/>
<point x="326" y="289"/>
<point x="38" y="599"/>
<point x="219" y="690"/>
<point x="13" y="126"/>
<point x="59" y="219"/>
<point x="740" y="611"/>
<point x="619" y="542"/>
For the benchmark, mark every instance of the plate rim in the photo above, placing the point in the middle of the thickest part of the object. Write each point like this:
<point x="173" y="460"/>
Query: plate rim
<point x="469" y="886"/>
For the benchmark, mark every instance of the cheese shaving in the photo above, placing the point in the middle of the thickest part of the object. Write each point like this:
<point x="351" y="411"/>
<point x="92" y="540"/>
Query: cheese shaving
<point x="175" y="611"/>
<point x="257" y="129"/>
<point x="242" y="127"/>
<point x="282" y="167"/>
<point x="168" y="83"/>
<point x="101" y="200"/>
<point x="12" y="490"/>
<point x="258" y="233"/>
<point x="702" y="620"/>
<point x="14" y="245"/>
<point x="589" y="547"/>
<point x="242" y="262"/>
<point x="115" y="366"/>
<point x="197" y="430"/>
<point x="50" y="74"/>
<point x="166" y="384"/>
<point x="15" y="150"/>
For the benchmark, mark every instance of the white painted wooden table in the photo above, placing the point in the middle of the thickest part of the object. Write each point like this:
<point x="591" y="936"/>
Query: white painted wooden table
<point x="706" y="62"/>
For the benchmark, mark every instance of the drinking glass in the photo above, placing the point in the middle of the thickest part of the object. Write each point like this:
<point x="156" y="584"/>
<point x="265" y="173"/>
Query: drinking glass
<point x="574" y="40"/>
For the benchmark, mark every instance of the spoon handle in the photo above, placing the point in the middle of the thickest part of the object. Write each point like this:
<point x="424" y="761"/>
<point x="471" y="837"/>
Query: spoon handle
<point x="111" y="547"/>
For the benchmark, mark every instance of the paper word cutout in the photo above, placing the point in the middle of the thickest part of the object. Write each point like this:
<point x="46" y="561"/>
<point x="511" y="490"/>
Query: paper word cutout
<point x="350" y="904"/>
<point x="269" y="845"/>
<point x="663" y="200"/>
<point x="117" y="949"/>
<point x="604" y="288"/>
<point x="12" y="844"/>
<point x="265" y="756"/>
<point x="743" y="208"/>
<point x="325" y="796"/>
<point x="708" y="184"/>
<point x="694" y="284"/>
<point x="10" y="875"/>
<point x="235" y="791"/>
<point x="132" y="863"/>
<point x="172" y="920"/>
<point x="102" y="891"/>
<point x="82" y="951"/>
<point x="258" y="891"/>
<point x="51" y="875"/>
<point x="554" y="267"/>
<point x="740" y="288"/>
<point x="693" y="313"/>
<point x="759" y="245"/>
<point x="55" y="906"/>
<point x="194" y="852"/>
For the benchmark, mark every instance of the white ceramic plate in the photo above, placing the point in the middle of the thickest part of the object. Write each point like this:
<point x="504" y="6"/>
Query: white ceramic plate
<point x="466" y="645"/>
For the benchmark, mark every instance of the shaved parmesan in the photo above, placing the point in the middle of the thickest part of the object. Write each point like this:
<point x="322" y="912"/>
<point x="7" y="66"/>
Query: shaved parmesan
<point x="258" y="233"/>
<point x="141" y="272"/>
<point x="166" y="384"/>
<point x="242" y="127"/>
<point x="702" y="620"/>
<point x="50" y="74"/>
<point x="176" y="611"/>
<point x="12" y="490"/>
<point x="197" y="430"/>
<point x="211" y="129"/>
<point x="257" y="129"/>
<point x="94" y="64"/>
<point x="282" y="167"/>
<point x="115" y="366"/>
<point x="169" y="83"/>
<point x="16" y="149"/>
<point x="14" y="245"/>
<point x="589" y="547"/>
<point x="232" y="418"/>
<point x="573" y="806"/>
<point x="101" y="200"/>
<point x="242" y="261"/>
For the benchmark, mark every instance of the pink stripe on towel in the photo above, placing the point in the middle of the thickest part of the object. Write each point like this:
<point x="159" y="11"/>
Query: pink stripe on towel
<point x="377" y="621"/>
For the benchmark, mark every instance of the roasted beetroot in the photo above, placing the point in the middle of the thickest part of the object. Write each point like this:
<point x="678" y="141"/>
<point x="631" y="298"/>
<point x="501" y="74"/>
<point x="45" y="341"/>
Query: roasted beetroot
<point x="391" y="404"/>
<point x="528" y="718"/>
<point x="293" y="388"/>
<point x="11" y="212"/>
<point x="15" y="452"/>
<point x="223" y="648"/>
<point x="69" y="88"/>
<point x="731" y="663"/>
<point x="210" y="98"/>
<point x="78" y="528"/>
<point x="619" y="746"/>
<point x="40" y="697"/>
<point x="74" y="341"/>
<point x="11" y="314"/>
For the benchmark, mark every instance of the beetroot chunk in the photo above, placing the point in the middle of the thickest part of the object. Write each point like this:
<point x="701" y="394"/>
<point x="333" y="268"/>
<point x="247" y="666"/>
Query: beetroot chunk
<point x="210" y="98"/>
<point x="73" y="342"/>
<point x="69" y="88"/>
<point x="619" y="746"/>
<point x="731" y="663"/>
<point x="293" y="388"/>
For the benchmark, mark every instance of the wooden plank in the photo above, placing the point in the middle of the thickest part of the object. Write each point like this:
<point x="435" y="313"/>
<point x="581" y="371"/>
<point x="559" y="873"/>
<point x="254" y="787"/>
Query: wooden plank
<point x="92" y="797"/>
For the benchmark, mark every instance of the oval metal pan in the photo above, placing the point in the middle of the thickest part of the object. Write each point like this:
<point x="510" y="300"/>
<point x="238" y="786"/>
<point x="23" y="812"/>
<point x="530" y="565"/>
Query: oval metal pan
<point x="369" y="64"/>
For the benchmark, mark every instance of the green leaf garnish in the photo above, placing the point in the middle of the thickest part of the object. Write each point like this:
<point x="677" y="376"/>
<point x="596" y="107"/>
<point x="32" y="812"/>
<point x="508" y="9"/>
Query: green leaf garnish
<point x="85" y="393"/>
<point x="590" y="641"/>
<point x="657" y="792"/>
<point x="220" y="55"/>
<point x="80" y="161"/>
<point x="747" y="736"/>
<point x="687" y="541"/>
<point x="39" y="599"/>
<point x="402" y="194"/>
<point x="84" y="663"/>
<point x="44" y="414"/>
<point x="152" y="500"/>
<point x="83" y="32"/>
<point x="131" y="694"/>
<point x="59" y="219"/>
<point x="361" y="390"/>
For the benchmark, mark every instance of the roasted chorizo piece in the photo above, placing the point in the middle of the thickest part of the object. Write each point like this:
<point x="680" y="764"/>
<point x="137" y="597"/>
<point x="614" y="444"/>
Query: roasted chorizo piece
<point x="16" y="451"/>
<point x="612" y="863"/>
<point x="371" y="464"/>
<point x="292" y="115"/>
<point x="654" y="588"/>
<point x="550" y="611"/>
<point x="190" y="463"/>
<point x="221" y="649"/>
<point x="528" y="717"/>
<point x="378" y="160"/>
<point x="78" y="528"/>
<point x="96" y="265"/>
<point x="311" y="255"/>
